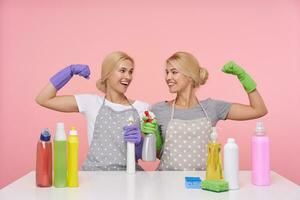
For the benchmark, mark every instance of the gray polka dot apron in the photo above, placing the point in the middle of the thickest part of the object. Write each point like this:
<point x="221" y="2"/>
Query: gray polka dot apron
<point x="185" y="146"/>
<point x="108" y="148"/>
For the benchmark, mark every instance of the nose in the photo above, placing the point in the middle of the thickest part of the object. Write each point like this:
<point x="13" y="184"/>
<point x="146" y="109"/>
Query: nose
<point x="168" y="76"/>
<point x="128" y="76"/>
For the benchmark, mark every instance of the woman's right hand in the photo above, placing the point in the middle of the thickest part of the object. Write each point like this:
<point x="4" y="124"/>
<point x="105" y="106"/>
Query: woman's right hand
<point x="81" y="70"/>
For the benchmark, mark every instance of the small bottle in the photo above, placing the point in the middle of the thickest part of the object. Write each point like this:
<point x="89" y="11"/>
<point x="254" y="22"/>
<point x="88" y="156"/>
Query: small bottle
<point x="260" y="157"/>
<point x="60" y="156"/>
<point x="130" y="162"/>
<point x="231" y="164"/>
<point x="73" y="142"/>
<point x="44" y="160"/>
<point x="214" y="161"/>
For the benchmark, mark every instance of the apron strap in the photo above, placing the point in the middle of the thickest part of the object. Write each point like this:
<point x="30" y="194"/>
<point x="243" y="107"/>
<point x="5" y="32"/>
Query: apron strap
<point x="132" y="107"/>
<point x="120" y="104"/>
<point x="173" y="109"/>
<point x="172" y="112"/>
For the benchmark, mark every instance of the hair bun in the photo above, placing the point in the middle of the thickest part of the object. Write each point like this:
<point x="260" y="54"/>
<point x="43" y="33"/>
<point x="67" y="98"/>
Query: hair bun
<point x="203" y="74"/>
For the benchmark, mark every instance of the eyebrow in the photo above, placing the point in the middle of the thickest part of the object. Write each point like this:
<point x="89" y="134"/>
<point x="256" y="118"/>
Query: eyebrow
<point x="173" y="68"/>
<point x="131" y="69"/>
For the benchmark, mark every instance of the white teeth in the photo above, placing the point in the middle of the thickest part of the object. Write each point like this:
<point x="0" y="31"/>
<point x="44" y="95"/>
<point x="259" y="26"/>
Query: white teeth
<point x="124" y="83"/>
<point x="171" y="84"/>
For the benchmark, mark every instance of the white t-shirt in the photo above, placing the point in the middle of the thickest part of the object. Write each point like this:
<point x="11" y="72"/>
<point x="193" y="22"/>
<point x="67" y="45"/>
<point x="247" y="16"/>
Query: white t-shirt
<point x="89" y="105"/>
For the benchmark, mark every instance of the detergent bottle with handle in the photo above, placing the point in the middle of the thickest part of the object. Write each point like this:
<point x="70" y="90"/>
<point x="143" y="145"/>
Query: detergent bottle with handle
<point x="214" y="161"/>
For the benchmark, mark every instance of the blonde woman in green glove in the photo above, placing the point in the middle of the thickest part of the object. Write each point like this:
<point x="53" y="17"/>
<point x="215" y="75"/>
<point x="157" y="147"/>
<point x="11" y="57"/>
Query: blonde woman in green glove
<point x="184" y="124"/>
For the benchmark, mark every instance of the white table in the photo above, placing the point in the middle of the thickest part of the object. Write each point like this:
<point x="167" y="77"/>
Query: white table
<point x="147" y="185"/>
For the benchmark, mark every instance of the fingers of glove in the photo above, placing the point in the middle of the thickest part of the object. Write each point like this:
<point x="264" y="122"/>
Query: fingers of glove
<point x="131" y="127"/>
<point x="132" y="132"/>
<point x="228" y="67"/>
<point x="148" y="130"/>
<point x="145" y="118"/>
<point x="135" y="139"/>
<point x="85" y="73"/>
<point x="148" y="125"/>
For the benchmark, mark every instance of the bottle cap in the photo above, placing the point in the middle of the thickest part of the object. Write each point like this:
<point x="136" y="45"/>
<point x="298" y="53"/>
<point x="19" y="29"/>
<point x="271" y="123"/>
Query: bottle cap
<point x="60" y="131"/>
<point x="45" y="135"/>
<point x="230" y="140"/>
<point x="73" y="131"/>
<point x="260" y="128"/>
<point x="130" y="120"/>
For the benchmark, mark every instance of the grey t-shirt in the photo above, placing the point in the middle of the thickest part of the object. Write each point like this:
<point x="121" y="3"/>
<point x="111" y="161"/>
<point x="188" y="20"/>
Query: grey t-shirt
<point x="215" y="109"/>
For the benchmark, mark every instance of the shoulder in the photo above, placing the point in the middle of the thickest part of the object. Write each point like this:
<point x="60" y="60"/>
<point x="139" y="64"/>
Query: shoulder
<point x="140" y="105"/>
<point x="218" y="106"/>
<point x="207" y="102"/>
<point x="159" y="107"/>
<point x="212" y="102"/>
<point x="88" y="98"/>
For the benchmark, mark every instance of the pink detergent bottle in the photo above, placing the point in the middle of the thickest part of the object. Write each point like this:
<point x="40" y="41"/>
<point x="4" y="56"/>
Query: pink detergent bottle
<point x="260" y="157"/>
<point x="44" y="160"/>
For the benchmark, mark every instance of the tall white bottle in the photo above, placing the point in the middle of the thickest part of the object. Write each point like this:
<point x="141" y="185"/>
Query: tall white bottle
<point x="130" y="165"/>
<point x="231" y="164"/>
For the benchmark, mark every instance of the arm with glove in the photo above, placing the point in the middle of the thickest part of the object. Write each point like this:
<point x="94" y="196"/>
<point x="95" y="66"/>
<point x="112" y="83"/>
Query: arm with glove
<point x="257" y="107"/>
<point x="47" y="97"/>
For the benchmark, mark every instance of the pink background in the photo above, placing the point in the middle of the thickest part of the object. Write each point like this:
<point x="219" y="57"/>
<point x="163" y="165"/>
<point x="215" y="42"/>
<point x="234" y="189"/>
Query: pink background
<point x="38" y="38"/>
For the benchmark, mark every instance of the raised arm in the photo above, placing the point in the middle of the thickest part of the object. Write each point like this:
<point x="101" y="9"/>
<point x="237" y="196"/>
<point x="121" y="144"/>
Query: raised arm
<point x="256" y="107"/>
<point x="47" y="97"/>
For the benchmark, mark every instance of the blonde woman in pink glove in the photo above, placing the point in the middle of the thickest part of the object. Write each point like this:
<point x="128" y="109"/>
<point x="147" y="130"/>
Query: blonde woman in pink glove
<point x="107" y="116"/>
<point x="185" y="123"/>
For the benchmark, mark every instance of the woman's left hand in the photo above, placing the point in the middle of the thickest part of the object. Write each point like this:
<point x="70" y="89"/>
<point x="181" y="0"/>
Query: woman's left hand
<point x="245" y="79"/>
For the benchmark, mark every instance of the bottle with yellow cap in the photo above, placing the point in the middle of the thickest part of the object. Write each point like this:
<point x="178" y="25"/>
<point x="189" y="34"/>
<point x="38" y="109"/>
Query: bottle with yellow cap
<point x="73" y="142"/>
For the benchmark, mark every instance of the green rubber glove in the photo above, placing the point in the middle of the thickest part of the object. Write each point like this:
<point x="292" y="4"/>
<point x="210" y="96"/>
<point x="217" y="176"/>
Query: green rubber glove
<point x="247" y="82"/>
<point x="152" y="128"/>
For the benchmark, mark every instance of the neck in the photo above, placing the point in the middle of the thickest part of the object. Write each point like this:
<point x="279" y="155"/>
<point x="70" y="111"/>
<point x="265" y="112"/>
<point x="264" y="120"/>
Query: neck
<point x="116" y="97"/>
<point x="186" y="99"/>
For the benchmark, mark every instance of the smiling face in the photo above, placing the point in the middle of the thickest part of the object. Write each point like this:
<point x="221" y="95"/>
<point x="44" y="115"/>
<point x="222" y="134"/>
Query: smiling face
<point x="176" y="80"/>
<point x="121" y="77"/>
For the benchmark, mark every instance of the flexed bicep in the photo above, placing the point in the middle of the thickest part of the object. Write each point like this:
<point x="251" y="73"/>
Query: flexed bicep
<point x="48" y="99"/>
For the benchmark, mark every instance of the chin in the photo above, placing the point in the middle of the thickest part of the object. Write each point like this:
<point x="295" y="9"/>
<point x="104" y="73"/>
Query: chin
<point x="172" y="90"/>
<point x="122" y="90"/>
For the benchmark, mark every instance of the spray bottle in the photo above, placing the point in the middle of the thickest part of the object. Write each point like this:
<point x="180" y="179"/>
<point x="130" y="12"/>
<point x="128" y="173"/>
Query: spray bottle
<point x="149" y="145"/>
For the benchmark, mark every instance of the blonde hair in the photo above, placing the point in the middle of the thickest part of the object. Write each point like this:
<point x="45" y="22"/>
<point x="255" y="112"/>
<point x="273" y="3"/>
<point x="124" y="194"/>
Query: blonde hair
<point x="187" y="64"/>
<point x="109" y="64"/>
